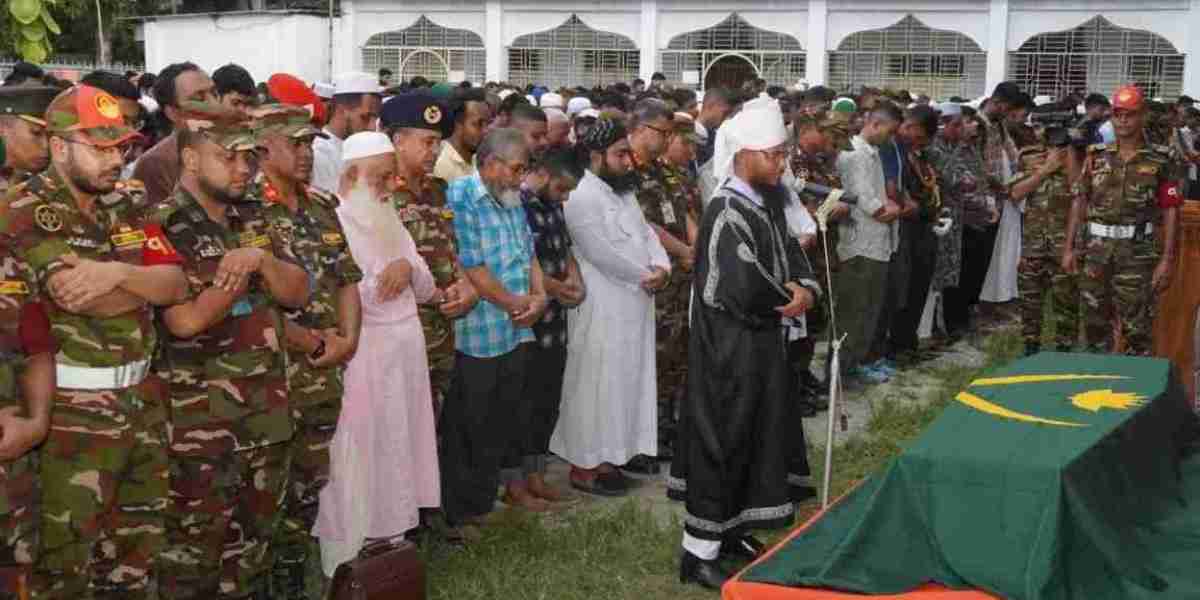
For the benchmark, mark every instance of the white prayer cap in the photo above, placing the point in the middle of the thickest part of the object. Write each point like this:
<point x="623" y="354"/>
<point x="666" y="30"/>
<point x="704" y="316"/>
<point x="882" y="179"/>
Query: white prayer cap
<point x="356" y="82"/>
<point x="554" y="114"/>
<point x="685" y="116"/>
<point x="504" y="93"/>
<point x="800" y="86"/>
<point x="577" y="105"/>
<point x="364" y="144"/>
<point x="950" y="109"/>
<point x="1042" y="99"/>
<point x="553" y="100"/>
<point x="323" y="90"/>
<point x="589" y="112"/>
<point x="531" y="99"/>
<point x="758" y="126"/>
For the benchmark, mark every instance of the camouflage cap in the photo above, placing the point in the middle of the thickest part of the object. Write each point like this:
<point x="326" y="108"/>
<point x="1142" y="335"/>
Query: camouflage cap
<point x="838" y="130"/>
<point x="224" y="126"/>
<point x="685" y="127"/>
<point x="1128" y="97"/>
<point x="27" y="102"/>
<point x="90" y="112"/>
<point x="287" y="121"/>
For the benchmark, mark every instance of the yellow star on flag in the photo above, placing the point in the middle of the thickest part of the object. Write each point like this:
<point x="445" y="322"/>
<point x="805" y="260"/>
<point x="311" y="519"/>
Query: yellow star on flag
<point x="1094" y="400"/>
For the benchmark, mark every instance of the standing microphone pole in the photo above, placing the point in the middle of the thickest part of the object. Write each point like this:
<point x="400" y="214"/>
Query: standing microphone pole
<point x="832" y="198"/>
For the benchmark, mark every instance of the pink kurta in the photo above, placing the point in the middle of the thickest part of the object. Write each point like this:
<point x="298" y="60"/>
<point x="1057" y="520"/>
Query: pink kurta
<point x="384" y="463"/>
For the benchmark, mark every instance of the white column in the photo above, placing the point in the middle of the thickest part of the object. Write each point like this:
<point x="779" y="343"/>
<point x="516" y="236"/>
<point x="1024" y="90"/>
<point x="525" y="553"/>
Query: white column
<point x="345" y="41"/>
<point x="997" y="44"/>
<point x="1191" y="63"/>
<point x="649" y="40"/>
<point x="818" y="39"/>
<point x="493" y="42"/>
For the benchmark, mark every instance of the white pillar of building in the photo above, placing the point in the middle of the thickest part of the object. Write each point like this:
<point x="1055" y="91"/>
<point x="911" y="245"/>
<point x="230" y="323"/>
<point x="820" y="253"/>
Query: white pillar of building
<point x="997" y="44"/>
<point x="346" y="56"/>
<point x="648" y="48"/>
<point x="493" y="42"/>
<point x="1191" y="63"/>
<point x="818" y="40"/>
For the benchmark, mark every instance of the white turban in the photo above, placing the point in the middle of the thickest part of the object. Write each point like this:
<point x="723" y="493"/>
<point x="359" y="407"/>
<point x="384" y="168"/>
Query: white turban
<point x="758" y="126"/>
<point x="552" y="100"/>
<point x="950" y="109"/>
<point x="577" y="105"/>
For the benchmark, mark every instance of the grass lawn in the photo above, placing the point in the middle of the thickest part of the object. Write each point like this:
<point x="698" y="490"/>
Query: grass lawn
<point x="626" y="552"/>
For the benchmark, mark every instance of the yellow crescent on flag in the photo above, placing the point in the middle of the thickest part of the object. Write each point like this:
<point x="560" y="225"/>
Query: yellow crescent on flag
<point x="1092" y="400"/>
<point x="995" y="409"/>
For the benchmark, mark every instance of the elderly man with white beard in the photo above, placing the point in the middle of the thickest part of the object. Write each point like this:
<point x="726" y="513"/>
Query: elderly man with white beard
<point x="483" y="426"/>
<point x="384" y="455"/>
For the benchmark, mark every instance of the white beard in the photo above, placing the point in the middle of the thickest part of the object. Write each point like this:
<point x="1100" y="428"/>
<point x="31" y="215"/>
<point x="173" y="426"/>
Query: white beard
<point x="510" y="198"/>
<point x="372" y="224"/>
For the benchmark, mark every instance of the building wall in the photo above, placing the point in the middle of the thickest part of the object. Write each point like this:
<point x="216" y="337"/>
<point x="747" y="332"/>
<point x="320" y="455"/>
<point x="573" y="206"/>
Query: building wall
<point x="298" y="43"/>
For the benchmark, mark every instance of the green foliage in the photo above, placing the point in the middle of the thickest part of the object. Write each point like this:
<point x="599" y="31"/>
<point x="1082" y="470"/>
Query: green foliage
<point x="37" y="30"/>
<point x="32" y="25"/>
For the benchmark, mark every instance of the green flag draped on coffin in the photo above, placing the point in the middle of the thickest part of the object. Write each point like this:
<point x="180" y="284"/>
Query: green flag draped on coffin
<point x="1056" y="477"/>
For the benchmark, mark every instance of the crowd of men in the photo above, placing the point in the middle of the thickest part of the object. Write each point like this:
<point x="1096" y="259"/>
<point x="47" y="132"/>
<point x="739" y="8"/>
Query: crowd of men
<point x="250" y="327"/>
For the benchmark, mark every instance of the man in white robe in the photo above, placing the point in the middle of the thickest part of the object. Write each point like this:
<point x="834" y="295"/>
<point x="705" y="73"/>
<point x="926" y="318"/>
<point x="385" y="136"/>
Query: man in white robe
<point x="609" y="403"/>
<point x="384" y="465"/>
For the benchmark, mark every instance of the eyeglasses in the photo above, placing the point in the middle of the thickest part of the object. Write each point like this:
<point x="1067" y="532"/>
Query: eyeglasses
<point x="123" y="150"/>
<point x="664" y="132"/>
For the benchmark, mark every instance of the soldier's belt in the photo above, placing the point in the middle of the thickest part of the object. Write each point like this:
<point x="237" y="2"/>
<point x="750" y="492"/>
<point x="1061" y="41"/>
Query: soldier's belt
<point x="108" y="378"/>
<point x="1119" y="232"/>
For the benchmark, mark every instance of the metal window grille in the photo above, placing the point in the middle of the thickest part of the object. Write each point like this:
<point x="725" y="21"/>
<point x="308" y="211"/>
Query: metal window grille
<point x="1097" y="56"/>
<point x="729" y="50"/>
<point x="572" y="54"/>
<point x="912" y="56"/>
<point x="427" y="49"/>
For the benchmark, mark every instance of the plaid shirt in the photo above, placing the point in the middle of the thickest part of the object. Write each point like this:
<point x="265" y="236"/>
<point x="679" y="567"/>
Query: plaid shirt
<point x="553" y="245"/>
<point x="498" y="238"/>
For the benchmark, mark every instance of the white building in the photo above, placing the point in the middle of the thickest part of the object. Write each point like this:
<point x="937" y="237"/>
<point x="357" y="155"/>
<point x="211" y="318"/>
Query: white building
<point x="938" y="47"/>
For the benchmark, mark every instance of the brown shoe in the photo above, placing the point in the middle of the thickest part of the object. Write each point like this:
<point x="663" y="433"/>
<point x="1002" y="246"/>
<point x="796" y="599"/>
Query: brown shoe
<point x="538" y="487"/>
<point x="519" y="496"/>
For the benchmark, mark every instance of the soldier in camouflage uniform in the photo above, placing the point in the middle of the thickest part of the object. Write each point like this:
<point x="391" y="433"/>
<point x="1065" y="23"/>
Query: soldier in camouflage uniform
<point x="677" y="177"/>
<point x="321" y="337"/>
<point x="1042" y="181"/>
<point x="100" y="265"/>
<point x="26" y="393"/>
<point x="813" y="159"/>
<point x="24" y="133"/>
<point x="420" y="200"/>
<point x="230" y="419"/>
<point x="1129" y="195"/>
<point x="668" y="214"/>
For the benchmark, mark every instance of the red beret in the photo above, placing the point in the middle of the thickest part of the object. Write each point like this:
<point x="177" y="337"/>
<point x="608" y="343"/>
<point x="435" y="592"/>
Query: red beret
<point x="289" y="89"/>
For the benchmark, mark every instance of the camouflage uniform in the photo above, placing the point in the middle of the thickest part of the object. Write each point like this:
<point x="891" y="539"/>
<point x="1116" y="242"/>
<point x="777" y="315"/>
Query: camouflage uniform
<point x="431" y="224"/>
<point x="1042" y="236"/>
<point x="1116" y="282"/>
<point x="664" y="206"/>
<point x="229" y="416"/>
<point x="18" y="478"/>
<point x="317" y="239"/>
<point x="104" y="465"/>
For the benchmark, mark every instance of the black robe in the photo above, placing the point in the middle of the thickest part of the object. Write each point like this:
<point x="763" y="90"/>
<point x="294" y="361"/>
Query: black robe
<point x="740" y="429"/>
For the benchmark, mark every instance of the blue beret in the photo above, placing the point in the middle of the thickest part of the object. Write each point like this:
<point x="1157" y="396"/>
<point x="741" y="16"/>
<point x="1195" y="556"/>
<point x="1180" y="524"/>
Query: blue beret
<point x="416" y="110"/>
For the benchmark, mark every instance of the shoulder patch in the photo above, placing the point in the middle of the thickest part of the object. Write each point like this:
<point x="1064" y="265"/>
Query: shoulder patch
<point x="322" y="197"/>
<point x="1097" y="147"/>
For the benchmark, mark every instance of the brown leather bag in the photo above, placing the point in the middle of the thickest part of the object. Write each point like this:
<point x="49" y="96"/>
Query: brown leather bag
<point x="383" y="570"/>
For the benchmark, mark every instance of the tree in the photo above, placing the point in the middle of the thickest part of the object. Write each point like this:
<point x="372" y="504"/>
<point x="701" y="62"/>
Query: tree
<point x="85" y="22"/>
<point x="32" y="25"/>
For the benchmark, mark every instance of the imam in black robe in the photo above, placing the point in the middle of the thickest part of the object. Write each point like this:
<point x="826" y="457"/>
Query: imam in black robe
<point x="740" y="429"/>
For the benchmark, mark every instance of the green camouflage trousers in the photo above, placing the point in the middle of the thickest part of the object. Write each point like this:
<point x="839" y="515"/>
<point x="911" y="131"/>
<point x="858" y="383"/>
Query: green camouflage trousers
<point x="671" y="356"/>
<point x="297" y="572"/>
<point x="1119" y="301"/>
<point x="18" y="513"/>
<point x="222" y="516"/>
<point x="104" y="493"/>
<point x="1040" y="277"/>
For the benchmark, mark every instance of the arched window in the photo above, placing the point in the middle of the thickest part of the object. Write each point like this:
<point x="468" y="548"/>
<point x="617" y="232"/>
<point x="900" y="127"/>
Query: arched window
<point x="1097" y="56"/>
<point x="427" y="49"/>
<point x="730" y="51"/>
<point x="910" y="56"/>
<point x="572" y="54"/>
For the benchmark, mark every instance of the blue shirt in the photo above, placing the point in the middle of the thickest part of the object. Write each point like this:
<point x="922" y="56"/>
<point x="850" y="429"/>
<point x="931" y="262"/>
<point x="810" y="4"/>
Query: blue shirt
<point x="492" y="236"/>
<point x="890" y="154"/>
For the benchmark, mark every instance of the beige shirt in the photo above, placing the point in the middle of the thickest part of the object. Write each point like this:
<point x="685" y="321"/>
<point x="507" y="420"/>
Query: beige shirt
<point x="450" y="164"/>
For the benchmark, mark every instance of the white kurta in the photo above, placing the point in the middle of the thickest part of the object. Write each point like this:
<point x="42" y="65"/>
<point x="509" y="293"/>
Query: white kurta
<point x="327" y="162"/>
<point x="1000" y="283"/>
<point x="609" y="409"/>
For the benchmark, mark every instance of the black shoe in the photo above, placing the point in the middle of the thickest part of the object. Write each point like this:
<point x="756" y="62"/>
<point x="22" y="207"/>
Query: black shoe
<point x="801" y="493"/>
<point x="642" y="465"/>
<point x="807" y="408"/>
<point x="809" y="382"/>
<point x="692" y="569"/>
<point x="743" y="547"/>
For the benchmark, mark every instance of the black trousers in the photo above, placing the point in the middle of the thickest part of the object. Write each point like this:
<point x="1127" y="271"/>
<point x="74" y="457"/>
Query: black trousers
<point x="479" y="426"/>
<point x="923" y="260"/>
<point x="543" y="395"/>
<point x="976" y="256"/>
